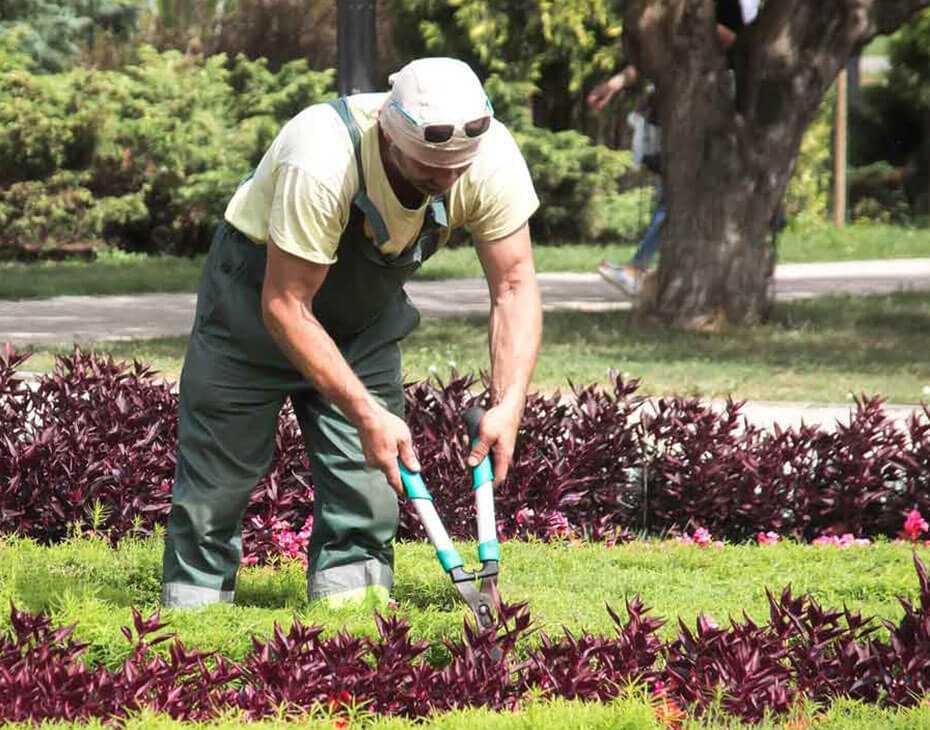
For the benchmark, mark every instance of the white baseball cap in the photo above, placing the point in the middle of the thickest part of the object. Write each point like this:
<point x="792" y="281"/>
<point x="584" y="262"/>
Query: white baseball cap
<point x="436" y="112"/>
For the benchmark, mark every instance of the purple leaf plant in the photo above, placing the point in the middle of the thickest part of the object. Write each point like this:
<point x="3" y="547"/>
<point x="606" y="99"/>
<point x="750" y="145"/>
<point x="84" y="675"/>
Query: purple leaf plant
<point x="91" y="445"/>
<point x="752" y="670"/>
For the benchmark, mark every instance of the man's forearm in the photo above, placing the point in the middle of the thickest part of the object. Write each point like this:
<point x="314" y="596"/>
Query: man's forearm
<point x="312" y="351"/>
<point x="515" y="329"/>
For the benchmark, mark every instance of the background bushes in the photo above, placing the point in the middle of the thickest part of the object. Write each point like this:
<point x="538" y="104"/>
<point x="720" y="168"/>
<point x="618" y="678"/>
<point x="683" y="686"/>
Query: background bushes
<point x="143" y="158"/>
<point x="55" y="34"/>
<point x="890" y="132"/>
<point x="125" y="125"/>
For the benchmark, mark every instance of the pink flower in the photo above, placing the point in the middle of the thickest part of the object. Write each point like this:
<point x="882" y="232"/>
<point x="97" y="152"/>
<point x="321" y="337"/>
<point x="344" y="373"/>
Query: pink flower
<point x="291" y="545"/>
<point x="702" y="538"/>
<point x="249" y="559"/>
<point x="557" y="524"/>
<point x="658" y="688"/>
<point x="524" y="515"/>
<point x="914" y="525"/>
<point x="767" y="538"/>
<point x="845" y="540"/>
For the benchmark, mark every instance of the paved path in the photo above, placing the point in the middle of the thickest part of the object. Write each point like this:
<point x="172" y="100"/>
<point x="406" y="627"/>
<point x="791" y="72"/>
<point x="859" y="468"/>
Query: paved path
<point x="765" y="414"/>
<point x="89" y="318"/>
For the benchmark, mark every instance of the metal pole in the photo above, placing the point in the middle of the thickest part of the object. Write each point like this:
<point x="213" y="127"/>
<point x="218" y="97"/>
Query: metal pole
<point x="854" y="82"/>
<point x="839" y="151"/>
<point x="357" y="43"/>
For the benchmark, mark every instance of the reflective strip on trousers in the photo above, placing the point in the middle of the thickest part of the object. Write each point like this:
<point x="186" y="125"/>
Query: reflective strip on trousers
<point x="350" y="577"/>
<point x="184" y="595"/>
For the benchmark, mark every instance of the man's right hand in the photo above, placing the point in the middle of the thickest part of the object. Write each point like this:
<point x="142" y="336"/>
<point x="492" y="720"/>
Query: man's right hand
<point x="385" y="438"/>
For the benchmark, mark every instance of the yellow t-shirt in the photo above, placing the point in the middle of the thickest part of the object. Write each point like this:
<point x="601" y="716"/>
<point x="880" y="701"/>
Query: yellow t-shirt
<point x="301" y="193"/>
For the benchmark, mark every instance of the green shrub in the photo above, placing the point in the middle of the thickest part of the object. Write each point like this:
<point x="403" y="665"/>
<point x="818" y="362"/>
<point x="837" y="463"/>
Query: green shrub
<point x="809" y="186"/>
<point x="263" y="101"/>
<point x="876" y="194"/>
<point x="59" y="209"/>
<point x="53" y="34"/>
<point x="144" y="158"/>
<point x="576" y="180"/>
<point x="890" y="122"/>
<point x="564" y="48"/>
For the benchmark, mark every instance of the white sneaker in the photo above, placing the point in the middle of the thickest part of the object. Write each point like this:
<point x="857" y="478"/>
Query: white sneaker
<point x="625" y="277"/>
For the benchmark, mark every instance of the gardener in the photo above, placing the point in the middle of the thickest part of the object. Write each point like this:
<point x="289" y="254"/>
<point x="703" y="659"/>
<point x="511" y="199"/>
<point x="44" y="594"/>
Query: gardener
<point x="302" y="297"/>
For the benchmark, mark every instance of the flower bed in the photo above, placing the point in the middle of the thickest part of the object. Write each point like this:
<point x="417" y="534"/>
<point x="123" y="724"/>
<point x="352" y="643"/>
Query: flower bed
<point x="92" y="446"/>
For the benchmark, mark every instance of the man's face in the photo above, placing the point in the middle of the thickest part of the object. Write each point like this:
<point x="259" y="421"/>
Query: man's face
<point x="425" y="178"/>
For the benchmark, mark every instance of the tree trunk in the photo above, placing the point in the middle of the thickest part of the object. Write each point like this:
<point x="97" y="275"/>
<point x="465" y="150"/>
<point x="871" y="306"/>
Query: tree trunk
<point x="730" y="139"/>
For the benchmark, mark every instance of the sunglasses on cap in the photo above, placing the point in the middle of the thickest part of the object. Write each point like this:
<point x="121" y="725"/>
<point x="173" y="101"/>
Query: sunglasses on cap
<point x="440" y="133"/>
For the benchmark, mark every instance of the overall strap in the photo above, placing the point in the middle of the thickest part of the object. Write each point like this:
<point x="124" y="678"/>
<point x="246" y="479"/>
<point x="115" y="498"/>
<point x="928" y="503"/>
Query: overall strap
<point x="436" y="218"/>
<point x="439" y="206"/>
<point x="361" y="199"/>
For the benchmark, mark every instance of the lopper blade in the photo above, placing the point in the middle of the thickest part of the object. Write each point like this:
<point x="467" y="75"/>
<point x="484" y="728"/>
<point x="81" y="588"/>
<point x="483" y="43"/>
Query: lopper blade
<point x="481" y="605"/>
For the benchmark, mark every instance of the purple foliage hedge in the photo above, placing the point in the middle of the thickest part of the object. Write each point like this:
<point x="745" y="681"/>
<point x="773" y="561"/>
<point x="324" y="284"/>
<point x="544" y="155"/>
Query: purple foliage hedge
<point x="599" y="465"/>
<point x="804" y="650"/>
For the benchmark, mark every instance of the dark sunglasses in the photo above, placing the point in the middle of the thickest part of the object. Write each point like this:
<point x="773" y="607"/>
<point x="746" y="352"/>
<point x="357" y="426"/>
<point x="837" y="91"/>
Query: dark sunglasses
<point x="440" y="133"/>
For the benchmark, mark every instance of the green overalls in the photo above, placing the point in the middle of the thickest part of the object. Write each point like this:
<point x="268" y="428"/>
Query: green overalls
<point x="234" y="383"/>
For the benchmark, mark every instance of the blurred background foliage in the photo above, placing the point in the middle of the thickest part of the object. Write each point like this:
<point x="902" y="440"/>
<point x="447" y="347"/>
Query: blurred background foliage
<point x="890" y="132"/>
<point x="127" y="123"/>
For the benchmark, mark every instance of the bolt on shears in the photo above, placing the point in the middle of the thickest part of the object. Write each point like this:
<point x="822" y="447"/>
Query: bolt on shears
<point x="483" y="599"/>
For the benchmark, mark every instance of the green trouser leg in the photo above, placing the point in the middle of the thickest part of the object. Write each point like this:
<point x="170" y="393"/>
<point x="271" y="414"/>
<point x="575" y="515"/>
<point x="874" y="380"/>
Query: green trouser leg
<point x="351" y="554"/>
<point x="232" y="387"/>
<point x="226" y="441"/>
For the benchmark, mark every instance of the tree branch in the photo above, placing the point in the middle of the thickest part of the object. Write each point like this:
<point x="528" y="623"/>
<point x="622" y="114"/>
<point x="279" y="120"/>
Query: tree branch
<point x="888" y="15"/>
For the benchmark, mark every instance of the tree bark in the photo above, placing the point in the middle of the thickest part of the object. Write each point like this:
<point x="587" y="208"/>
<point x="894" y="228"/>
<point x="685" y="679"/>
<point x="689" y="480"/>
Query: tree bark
<point x="730" y="139"/>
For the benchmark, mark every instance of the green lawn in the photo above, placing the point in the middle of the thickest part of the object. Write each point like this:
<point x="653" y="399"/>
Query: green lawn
<point x="797" y="244"/>
<point x="816" y="350"/>
<point x="111" y="273"/>
<point x="120" y="273"/>
<point x="624" y="714"/>
<point x="87" y="583"/>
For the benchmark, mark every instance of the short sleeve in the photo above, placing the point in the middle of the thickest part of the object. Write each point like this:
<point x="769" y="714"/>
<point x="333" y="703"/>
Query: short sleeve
<point x="307" y="218"/>
<point x="502" y="195"/>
